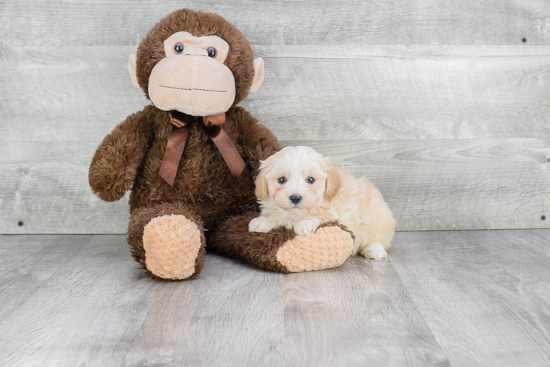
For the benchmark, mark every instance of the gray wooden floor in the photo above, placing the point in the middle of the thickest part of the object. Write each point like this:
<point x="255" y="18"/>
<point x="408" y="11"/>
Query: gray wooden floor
<point x="468" y="298"/>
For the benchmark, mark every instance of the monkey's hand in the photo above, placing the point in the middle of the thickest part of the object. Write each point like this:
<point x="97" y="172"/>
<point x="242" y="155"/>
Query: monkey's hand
<point x="111" y="174"/>
<point x="118" y="157"/>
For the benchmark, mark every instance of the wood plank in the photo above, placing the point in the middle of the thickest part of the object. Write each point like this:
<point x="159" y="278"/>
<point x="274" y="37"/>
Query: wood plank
<point x="429" y="184"/>
<point x="480" y="313"/>
<point x="87" y="312"/>
<point x="30" y="263"/>
<point x="310" y="92"/>
<point x="401" y="92"/>
<point x="76" y="95"/>
<point x="356" y="315"/>
<point x="101" y="22"/>
<point x="525" y="255"/>
<point x="232" y="315"/>
<point x="45" y="186"/>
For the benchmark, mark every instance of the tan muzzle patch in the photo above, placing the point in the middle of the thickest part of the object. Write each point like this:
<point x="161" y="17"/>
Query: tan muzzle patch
<point x="196" y="85"/>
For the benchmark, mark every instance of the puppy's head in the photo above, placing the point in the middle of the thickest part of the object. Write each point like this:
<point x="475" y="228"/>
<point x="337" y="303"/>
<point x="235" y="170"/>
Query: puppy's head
<point x="297" y="179"/>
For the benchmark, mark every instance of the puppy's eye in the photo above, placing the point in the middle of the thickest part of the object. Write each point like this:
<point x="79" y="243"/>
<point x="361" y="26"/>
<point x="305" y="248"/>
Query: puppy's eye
<point x="310" y="180"/>
<point x="178" y="48"/>
<point x="281" y="180"/>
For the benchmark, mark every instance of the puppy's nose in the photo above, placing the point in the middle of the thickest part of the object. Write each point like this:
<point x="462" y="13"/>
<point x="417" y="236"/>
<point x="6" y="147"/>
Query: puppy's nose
<point x="295" y="198"/>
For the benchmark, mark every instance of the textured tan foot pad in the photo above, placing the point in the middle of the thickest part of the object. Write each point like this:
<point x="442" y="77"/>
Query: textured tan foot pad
<point x="171" y="243"/>
<point x="327" y="248"/>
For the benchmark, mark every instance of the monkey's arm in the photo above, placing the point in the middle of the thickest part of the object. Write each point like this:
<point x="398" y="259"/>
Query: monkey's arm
<point x="118" y="157"/>
<point x="257" y="141"/>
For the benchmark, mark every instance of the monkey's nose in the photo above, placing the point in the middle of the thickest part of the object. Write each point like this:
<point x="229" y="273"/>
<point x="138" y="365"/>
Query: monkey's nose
<point x="295" y="199"/>
<point x="195" y="51"/>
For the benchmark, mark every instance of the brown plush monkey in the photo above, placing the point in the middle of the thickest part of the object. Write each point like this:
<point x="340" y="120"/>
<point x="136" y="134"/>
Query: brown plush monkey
<point x="190" y="158"/>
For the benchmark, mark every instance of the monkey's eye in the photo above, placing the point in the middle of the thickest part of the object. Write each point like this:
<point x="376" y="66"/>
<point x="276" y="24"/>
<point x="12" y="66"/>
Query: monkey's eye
<point x="310" y="180"/>
<point x="178" y="48"/>
<point x="211" y="52"/>
<point x="281" y="180"/>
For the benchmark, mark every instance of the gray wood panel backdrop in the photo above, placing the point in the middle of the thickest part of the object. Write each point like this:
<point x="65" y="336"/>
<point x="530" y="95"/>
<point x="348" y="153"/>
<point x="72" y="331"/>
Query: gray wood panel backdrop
<point x="444" y="105"/>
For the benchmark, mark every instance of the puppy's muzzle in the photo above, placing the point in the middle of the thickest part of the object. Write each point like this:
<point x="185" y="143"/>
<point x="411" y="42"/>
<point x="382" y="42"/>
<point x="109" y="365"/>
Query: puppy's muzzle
<point x="295" y="199"/>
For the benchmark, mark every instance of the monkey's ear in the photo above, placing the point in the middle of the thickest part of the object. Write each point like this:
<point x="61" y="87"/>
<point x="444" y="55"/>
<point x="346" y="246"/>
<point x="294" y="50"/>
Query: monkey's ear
<point x="132" y="70"/>
<point x="259" y="75"/>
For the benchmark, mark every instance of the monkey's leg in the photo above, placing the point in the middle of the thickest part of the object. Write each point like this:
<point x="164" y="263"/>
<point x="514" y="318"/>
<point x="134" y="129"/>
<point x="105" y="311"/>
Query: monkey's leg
<point x="168" y="240"/>
<point x="281" y="249"/>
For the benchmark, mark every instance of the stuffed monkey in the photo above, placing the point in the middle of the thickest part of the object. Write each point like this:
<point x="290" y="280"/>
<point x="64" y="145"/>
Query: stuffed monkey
<point x="191" y="157"/>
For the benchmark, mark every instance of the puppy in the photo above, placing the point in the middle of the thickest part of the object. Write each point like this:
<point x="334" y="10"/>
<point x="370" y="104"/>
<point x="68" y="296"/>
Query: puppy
<point x="299" y="188"/>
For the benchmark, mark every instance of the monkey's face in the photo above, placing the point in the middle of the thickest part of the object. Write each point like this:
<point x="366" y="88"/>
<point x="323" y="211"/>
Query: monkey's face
<point x="193" y="78"/>
<point x="196" y="63"/>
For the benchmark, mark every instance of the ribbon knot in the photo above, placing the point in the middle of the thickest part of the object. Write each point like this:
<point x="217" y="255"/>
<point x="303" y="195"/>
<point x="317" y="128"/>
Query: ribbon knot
<point x="181" y="124"/>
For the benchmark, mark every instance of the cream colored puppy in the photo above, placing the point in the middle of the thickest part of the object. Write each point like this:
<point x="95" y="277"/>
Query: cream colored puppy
<point x="299" y="188"/>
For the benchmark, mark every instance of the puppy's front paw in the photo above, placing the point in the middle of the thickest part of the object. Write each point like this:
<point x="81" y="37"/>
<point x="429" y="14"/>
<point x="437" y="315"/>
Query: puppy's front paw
<point x="307" y="225"/>
<point x="261" y="224"/>
<point x="375" y="251"/>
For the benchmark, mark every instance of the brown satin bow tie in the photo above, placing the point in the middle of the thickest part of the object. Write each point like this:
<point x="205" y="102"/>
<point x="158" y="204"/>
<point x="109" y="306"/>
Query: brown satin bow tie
<point x="181" y="124"/>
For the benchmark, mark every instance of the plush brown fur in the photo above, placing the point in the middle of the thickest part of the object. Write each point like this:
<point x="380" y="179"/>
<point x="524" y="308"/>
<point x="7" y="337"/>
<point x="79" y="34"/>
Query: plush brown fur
<point x="233" y="239"/>
<point x="204" y="191"/>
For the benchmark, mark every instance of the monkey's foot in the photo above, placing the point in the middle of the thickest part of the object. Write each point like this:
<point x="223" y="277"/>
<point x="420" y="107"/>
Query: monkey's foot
<point x="326" y="248"/>
<point x="172" y="244"/>
<point x="282" y="249"/>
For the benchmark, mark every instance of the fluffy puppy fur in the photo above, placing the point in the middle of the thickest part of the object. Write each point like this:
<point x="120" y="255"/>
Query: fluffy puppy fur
<point x="299" y="188"/>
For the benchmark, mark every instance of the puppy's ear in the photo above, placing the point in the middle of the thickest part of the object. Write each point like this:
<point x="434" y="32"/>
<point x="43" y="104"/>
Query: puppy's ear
<point x="334" y="181"/>
<point x="262" y="190"/>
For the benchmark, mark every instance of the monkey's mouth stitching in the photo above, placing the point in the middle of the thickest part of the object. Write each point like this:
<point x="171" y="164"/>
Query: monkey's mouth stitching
<point x="204" y="90"/>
